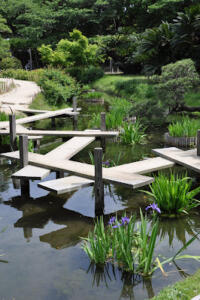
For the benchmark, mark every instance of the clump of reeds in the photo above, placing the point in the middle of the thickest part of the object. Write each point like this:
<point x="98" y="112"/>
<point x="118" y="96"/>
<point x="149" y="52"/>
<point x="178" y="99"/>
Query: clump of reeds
<point x="173" y="194"/>
<point x="132" y="133"/>
<point x="185" y="128"/>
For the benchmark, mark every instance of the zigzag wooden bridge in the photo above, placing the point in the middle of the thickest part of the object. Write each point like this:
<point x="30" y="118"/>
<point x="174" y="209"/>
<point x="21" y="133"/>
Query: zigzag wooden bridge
<point x="36" y="166"/>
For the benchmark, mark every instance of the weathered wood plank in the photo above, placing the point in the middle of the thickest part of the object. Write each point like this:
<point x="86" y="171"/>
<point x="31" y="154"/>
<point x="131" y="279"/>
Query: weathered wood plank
<point x="64" y="185"/>
<point x="69" y="148"/>
<point x="144" y="166"/>
<point x="187" y="158"/>
<point x="84" y="170"/>
<point x="47" y="115"/>
<point x="64" y="133"/>
<point x="31" y="172"/>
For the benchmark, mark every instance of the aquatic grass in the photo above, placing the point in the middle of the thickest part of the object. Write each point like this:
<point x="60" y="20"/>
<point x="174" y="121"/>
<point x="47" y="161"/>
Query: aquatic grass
<point x="132" y="133"/>
<point x="97" y="245"/>
<point x="186" y="127"/>
<point x="92" y="95"/>
<point x="173" y="194"/>
<point x="106" y="163"/>
<point x="129" y="245"/>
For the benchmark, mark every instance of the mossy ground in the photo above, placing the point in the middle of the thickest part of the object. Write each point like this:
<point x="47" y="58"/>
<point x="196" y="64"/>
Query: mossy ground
<point x="182" y="290"/>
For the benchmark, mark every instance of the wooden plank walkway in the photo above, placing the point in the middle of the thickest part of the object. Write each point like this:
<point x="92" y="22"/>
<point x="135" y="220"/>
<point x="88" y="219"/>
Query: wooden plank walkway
<point x="42" y="116"/>
<point x="69" y="148"/>
<point x="64" y="151"/>
<point x="31" y="172"/>
<point x="83" y="170"/>
<point x="188" y="158"/>
<point x="63" y="133"/>
<point x="20" y="127"/>
<point x="144" y="166"/>
<point x="66" y="184"/>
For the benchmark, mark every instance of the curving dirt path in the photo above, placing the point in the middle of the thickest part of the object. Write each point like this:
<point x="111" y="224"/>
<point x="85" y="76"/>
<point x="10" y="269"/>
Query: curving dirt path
<point x="19" y="97"/>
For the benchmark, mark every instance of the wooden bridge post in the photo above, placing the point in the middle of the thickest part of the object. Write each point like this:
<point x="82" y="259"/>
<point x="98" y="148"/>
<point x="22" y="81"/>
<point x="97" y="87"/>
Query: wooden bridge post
<point x="98" y="185"/>
<point x="75" y="118"/>
<point x="13" y="137"/>
<point x="198" y="142"/>
<point x="53" y="122"/>
<point x="23" y="152"/>
<point x="103" y="128"/>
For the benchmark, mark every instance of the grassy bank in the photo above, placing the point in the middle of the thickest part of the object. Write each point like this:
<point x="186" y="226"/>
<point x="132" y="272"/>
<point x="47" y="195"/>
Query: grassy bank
<point x="184" y="290"/>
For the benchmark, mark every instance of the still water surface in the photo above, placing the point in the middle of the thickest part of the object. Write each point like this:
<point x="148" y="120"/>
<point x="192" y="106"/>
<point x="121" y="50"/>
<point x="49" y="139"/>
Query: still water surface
<point x="43" y="258"/>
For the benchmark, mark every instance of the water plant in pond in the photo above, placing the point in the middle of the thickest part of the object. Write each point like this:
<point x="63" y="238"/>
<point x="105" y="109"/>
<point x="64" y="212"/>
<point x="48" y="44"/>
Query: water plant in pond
<point x="172" y="194"/>
<point x="122" y="243"/>
<point x="92" y="95"/>
<point x="129" y="245"/>
<point x="132" y="133"/>
<point x="106" y="163"/>
<point x="184" y="128"/>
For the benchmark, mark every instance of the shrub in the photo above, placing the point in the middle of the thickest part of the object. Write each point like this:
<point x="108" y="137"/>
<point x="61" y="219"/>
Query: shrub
<point x="57" y="86"/>
<point x="86" y="75"/>
<point x="176" y="79"/>
<point x="10" y="63"/>
<point x="173" y="194"/>
<point x="184" y="128"/>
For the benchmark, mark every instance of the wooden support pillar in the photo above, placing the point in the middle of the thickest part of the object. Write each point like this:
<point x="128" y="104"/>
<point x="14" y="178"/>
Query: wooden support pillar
<point x="198" y="142"/>
<point x="23" y="152"/>
<point x="13" y="137"/>
<point x="98" y="185"/>
<point x="53" y="122"/>
<point x="60" y="174"/>
<point x="103" y="128"/>
<point x="75" y="118"/>
<point x="36" y="145"/>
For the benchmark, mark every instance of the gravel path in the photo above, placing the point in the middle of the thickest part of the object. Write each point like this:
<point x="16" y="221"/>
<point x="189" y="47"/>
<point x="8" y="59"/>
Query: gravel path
<point x="19" y="97"/>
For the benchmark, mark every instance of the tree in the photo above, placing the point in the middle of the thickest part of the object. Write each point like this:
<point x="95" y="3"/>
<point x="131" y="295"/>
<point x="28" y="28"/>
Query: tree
<point x="76" y="52"/>
<point x="175" y="80"/>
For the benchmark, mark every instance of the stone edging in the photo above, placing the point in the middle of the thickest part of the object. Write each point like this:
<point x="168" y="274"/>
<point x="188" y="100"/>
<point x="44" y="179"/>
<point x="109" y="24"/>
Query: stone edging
<point x="179" y="141"/>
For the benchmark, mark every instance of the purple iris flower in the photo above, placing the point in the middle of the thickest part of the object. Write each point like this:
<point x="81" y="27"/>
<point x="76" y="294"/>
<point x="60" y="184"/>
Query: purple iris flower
<point x="106" y="163"/>
<point x="154" y="207"/>
<point x="111" y="221"/>
<point x="125" y="220"/>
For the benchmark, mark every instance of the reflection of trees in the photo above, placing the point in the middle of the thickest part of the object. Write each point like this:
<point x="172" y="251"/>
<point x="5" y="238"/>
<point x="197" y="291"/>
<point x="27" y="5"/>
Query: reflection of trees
<point x="177" y="228"/>
<point x="38" y="212"/>
<point x="107" y="273"/>
<point x="6" y="171"/>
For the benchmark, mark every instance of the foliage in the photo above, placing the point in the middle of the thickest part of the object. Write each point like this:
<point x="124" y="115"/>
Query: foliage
<point x="22" y="74"/>
<point x="86" y="75"/>
<point x="92" y="95"/>
<point x="153" y="48"/>
<point x="115" y="117"/>
<point x="132" y="133"/>
<point x="10" y="63"/>
<point x="173" y="194"/>
<point x="71" y="53"/>
<point x="175" y="80"/>
<point x="185" y="127"/>
<point x="109" y="163"/>
<point x="57" y="86"/>
<point x="131" y="247"/>
<point x="184" y="289"/>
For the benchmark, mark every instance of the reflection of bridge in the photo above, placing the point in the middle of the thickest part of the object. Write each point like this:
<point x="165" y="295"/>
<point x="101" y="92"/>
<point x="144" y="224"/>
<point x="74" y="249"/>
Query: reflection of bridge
<point x="38" y="212"/>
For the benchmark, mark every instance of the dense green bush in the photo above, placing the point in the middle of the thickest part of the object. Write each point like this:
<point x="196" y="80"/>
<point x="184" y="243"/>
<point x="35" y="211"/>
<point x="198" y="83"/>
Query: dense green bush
<point x="86" y="75"/>
<point x="57" y="86"/>
<point x="22" y="74"/>
<point x="10" y="63"/>
<point x="175" y="81"/>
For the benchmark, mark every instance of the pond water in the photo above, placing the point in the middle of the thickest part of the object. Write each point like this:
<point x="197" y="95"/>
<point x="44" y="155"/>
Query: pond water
<point x="41" y="234"/>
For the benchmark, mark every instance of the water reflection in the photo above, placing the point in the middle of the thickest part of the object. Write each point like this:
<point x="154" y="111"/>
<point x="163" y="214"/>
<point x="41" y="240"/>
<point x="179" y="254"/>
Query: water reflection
<point x="177" y="229"/>
<point x="37" y="213"/>
<point x="108" y="273"/>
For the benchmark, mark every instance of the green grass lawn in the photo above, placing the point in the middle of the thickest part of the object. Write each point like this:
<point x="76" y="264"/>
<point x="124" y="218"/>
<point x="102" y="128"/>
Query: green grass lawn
<point x="40" y="103"/>
<point x="107" y="83"/>
<point x="182" y="290"/>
